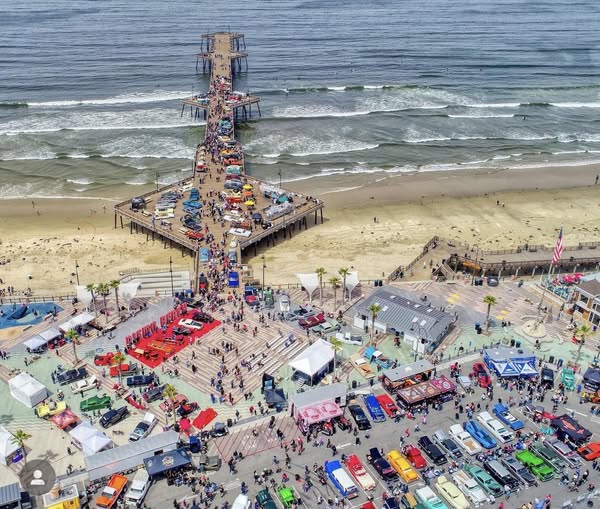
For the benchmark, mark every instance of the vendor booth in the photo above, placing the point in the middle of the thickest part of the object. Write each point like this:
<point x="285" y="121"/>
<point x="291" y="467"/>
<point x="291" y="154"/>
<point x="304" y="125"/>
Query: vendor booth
<point x="129" y="456"/>
<point x="318" y="405"/>
<point x="8" y="449"/>
<point x="62" y="497"/>
<point x="89" y="439"/>
<point x="407" y="376"/>
<point x="77" y="321"/>
<point x="42" y="339"/>
<point x="440" y="387"/>
<point x="161" y="464"/>
<point x="510" y="362"/>
<point x="11" y="497"/>
<point x="65" y="420"/>
<point x="27" y="390"/>
<point x="591" y="380"/>
<point x="314" y="362"/>
<point x="569" y="430"/>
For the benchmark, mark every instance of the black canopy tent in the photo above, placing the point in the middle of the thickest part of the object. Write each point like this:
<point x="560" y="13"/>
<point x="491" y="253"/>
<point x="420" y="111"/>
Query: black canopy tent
<point x="569" y="428"/>
<point x="275" y="397"/>
<point x="162" y="463"/>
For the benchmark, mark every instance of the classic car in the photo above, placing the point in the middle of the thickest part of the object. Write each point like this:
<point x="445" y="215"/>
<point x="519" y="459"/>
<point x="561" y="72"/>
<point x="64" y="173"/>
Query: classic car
<point x="201" y="316"/>
<point x="590" y="452"/>
<point x="71" y="375"/>
<point x="94" y="403"/>
<point x="153" y="394"/>
<point x="485" y="480"/>
<point x="114" y="416"/>
<point x="504" y="415"/>
<point x="402" y="466"/>
<point x="361" y="476"/>
<point x="495" y="427"/>
<point x="519" y="470"/>
<point x="139" y="380"/>
<point x="464" y="440"/>
<point x="374" y="408"/>
<point x="387" y="404"/>
<point x="537" y="466"/>
<point x="451" y="494"/>
<point x="359" y="417"/>
<point x="414" y="456"/>
<point x="381" y="465"/>
<point x="47" y="410"/>
<point x="103" y="359"/>
<point x="191" y="324"/>
<point x="480" y="434"/>
<point x="124" y="370"/>
<point x="84" y="385"/>
<point x="481" y="375"/>
<point x="362" y="366"/>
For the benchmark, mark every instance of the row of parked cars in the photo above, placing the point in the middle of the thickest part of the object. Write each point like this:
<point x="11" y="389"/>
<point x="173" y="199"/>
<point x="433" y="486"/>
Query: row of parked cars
<point x="475" y="484"/>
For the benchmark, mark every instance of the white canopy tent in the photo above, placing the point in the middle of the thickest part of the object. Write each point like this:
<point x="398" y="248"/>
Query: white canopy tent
<point x="310" y="282"/>
<point x="81" y="319"/>
<point x="315" y="360"/>
<point x="128" y="291"/>
<point x="7" y="446"/>
<point x="351" y="283"/>
<point x="35" y="342"/>
<point x="43" y="338"/>
<point x="27" y="390"/>
<point x="89" y="439"/>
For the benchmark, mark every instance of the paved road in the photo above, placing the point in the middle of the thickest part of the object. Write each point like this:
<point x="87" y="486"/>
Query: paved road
<point x="385" y="435"/>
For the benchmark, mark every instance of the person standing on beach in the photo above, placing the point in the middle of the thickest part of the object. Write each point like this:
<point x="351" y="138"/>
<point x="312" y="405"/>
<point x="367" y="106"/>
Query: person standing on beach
<point x="597" y="176"/>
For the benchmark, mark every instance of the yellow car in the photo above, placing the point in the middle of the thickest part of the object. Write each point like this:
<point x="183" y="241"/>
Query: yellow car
<point x="401" y="465"/>
<point x="49" y="409"/>
<point x="451" y="494"/>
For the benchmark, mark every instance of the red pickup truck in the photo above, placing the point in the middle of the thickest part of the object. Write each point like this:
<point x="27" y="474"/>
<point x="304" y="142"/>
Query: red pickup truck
<point x="311" y="321"/>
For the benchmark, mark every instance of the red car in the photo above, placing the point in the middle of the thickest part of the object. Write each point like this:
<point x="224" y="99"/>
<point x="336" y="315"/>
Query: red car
<point x="481" y="375"/>
<point x="414" y="456"/>
<point x="126" y="369"/>
<point x="590" y="452"/>
<point x="104" y="360"/>
<point x="311" y="321"/>
<point x="388" y="405"/>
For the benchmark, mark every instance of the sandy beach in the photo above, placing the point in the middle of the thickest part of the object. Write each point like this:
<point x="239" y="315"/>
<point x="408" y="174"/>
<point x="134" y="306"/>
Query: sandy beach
<point x="46" y="238"/>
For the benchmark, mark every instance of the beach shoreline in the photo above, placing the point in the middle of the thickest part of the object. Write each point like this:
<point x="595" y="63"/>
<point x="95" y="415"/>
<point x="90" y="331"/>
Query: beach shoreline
<point x="53" y="235"/>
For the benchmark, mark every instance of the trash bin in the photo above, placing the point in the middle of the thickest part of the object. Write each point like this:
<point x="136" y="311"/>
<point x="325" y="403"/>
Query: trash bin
<point x="559" y="363"/>
<point x="354" y="384"/>
<point x="518" y="344"/>
<point x="551" y="359"/>
<point x="229" y="423"/>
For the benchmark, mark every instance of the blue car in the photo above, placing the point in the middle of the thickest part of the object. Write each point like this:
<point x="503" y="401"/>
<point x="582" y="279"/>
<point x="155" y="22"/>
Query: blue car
<point x="479" y="434"/>
<point x="504" y="415"/>
<point x="341" y="479"/>
<point x="374" y="408"/>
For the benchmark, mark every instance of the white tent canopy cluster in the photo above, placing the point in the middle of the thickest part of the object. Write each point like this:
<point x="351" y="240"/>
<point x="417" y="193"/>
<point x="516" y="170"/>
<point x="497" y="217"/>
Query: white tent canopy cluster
<point x="310" y="282"/>
<point x="27" y="390"/>
<point x="89" y="439"/>
<point x="125" y="291"/>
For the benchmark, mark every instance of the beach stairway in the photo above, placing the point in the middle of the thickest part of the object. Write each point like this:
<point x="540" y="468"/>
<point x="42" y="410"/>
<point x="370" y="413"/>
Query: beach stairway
<point x="153" y="283"/>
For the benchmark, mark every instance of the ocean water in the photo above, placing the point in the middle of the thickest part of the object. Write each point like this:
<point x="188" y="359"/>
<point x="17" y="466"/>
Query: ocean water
<point x="90" y="91"/>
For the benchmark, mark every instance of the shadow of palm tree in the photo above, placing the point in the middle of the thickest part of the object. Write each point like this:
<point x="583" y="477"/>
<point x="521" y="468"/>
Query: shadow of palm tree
<point x="6" y="418"/>
<point x="49" y="455"/>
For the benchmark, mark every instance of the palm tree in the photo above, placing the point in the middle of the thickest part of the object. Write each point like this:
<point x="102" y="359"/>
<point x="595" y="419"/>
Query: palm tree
<point x="583" y="331"/>
<point x="118" y="359"/>
<point x="114" y="284"/>
<point x="90" y="288"/>
<point x="170" y="392"/>
<point x="490" y="300"/>
<point x="344" y="272"/>
<point x="374" y="309"/>
<point x="334" y="281"/>
<point x="71" y="335"/>
<point x="320" y="273"/>
<point x="103" y="289"/>
<point x="337" y="346"/>
<point x="20" y="437"/>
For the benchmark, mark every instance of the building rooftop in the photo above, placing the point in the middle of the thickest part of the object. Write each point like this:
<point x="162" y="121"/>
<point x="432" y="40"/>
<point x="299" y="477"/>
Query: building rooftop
<point x="403" y="315"/>
<point x="402" y="372"/>
<point x="502" y="353"/>
<point x="591" y="286"/>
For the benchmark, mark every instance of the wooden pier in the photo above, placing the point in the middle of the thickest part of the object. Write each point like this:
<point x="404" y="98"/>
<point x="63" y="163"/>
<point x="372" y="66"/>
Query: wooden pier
<point x="235" y="221"/>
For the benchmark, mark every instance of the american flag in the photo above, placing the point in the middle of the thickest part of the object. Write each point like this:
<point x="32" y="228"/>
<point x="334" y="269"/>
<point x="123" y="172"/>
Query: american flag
<point x="558" y="249"/>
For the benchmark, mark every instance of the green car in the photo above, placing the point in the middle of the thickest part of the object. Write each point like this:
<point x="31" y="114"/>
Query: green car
<point x="538" y="466"/>
<point x="550" y="456"/>
<point x="94" y="403"/>
<point x="484" y="480"/>
<point x="286" y="495"/>
<point x="264" y="499"/>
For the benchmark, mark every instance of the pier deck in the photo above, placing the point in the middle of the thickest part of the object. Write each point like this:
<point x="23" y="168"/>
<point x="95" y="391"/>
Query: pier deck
<point x="210" y="176"/>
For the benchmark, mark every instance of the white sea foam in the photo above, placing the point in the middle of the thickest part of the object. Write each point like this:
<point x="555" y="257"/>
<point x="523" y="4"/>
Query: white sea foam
<point x="138" y="97"/>
<point x="336" y="89"/>
<point x="576" y="104"/>
<point x="482" y="115"/>
<point x="81" y="181"/>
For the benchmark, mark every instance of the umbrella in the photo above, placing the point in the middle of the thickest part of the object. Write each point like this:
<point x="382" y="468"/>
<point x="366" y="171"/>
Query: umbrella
<point x="64" y="419"/>
<point x="248" y="187"/>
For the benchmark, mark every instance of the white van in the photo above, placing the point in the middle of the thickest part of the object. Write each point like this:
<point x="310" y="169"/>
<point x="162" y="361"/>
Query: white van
<point x="241" y="502"/>
<point x="344" y="483"/>
<point x="138" y="489"/>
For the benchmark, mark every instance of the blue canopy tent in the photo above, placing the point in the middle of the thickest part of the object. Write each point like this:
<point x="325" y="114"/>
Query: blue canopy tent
<point x="162" y="463"/>
<point x="510" y="362"/>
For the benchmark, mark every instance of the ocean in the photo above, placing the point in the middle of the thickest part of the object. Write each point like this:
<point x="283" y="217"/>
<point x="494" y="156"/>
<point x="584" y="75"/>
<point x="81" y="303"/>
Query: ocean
<point x="90" y="91"/>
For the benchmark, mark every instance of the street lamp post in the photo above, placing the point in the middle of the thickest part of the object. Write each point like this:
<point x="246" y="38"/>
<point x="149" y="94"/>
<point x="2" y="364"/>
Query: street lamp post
<point x="475" y="266"/>
<point x="264" y="266"/>
<point x="171" y="274"/>
<point x="279" y="173"/>
<point x="77" y="272"/>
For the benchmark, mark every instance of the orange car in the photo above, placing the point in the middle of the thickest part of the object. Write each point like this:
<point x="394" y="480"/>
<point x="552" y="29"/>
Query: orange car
<point x="590" y="452"/>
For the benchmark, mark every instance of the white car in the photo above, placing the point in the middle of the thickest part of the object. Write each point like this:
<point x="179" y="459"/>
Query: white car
<point x="428" y="498"/>
<point x="284" y="302"/>
<point x="191" y="324"/>
<point x="240" y="232"/>
<point x="138" y="489"/>
<point x="451" y="494"/>
<point x="464" y="440"/>
<point x="143" y="428"/>
<point x="241" y="502"/>
<point x="349" y="338"/>
<point x="471" y="489"/>
<point x="81" y="386"/>
<point x="495" y="427"/>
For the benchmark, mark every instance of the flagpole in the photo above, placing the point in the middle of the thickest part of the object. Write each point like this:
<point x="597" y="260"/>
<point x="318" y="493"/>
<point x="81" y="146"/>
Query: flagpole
<point x="545" y="289"/>
<point x="558" y="249"/>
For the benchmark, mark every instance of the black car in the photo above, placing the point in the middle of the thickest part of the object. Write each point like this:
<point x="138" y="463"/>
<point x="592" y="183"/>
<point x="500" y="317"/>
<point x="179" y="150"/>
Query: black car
<point x="201" y="316"/>
<point x="296" y="314"/>
<point x="520" y="471"/>
<point x="114" y="416"/>
<point x="138" y="380"/>
<point x="391" y="503"/>
<point x="153" y="394"/>
<point x="447" y="444"/>
<point x="502" y="475"/>
<point x="219" y="430"/>
<point x="547" y="378"/>
<point x="359" y="417"/>
<point x="181" y="330"/>
<point x="72" y="375"/>
<point x="381" y="465"/>
<point x="432" y="450"/>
